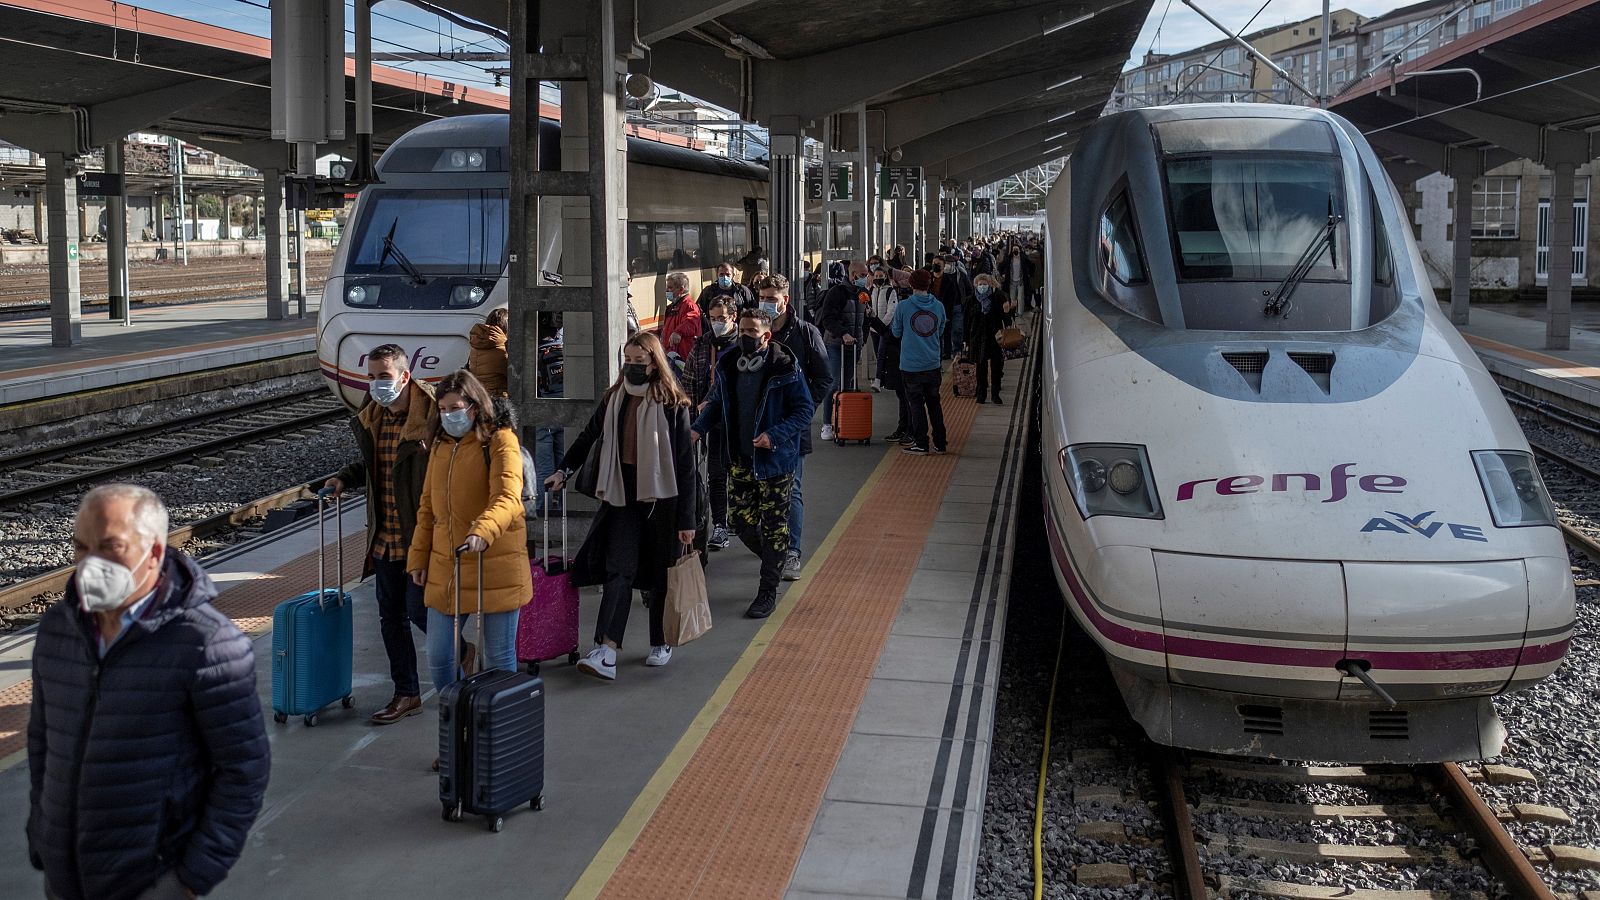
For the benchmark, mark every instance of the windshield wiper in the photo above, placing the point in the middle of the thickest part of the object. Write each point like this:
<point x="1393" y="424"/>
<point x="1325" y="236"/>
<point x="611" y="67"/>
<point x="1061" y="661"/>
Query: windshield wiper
<point x="1278" y="302"/>
<point x="391" y="249"/>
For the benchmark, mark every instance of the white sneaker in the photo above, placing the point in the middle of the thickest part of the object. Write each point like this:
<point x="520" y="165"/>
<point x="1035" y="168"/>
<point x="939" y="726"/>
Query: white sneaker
<point x="659" y="656"/>
<point x="877" y="387"/>
<point x="827" y="432"/>
<point x="599" y="665"/>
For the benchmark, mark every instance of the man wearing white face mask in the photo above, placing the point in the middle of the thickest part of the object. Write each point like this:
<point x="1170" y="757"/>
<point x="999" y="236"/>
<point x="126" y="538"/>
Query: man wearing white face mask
<point x="393" y="430"/>
<point x="146" y="746"/>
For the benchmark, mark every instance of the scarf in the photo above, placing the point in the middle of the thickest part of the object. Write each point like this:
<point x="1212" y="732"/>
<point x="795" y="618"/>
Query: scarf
<point x="657" y="479"/>
<point x="984" y="300"/>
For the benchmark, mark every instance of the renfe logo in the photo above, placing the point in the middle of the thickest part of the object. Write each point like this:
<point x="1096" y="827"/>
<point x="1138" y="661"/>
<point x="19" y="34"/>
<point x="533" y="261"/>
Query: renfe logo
<point x="1338" y="484"/>
<point x="418" y="360"/>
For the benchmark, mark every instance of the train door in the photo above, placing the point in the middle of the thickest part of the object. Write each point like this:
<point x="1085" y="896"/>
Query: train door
<point x="752" y="222"/>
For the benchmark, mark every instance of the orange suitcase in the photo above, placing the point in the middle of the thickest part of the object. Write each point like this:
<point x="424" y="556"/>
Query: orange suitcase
<point x="852" y="410"/>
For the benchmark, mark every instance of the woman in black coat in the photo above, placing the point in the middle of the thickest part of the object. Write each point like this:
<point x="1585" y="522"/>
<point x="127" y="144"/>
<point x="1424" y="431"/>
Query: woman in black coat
<point x="988" y="312"/>
<point x="635" y="456"/>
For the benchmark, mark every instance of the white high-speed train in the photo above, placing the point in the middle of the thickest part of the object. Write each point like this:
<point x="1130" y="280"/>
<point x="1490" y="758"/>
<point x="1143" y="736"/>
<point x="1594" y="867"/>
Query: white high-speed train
<point x="1282" y="493"/>
<point x="424" y="257"/>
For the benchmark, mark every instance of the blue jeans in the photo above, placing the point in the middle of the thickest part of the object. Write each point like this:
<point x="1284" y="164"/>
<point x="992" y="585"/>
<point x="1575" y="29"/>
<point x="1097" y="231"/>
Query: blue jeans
<point x="499" y="650"/>
<point x="835" y="366"/>
<point x="548" y="449"/>
<point x="797" y="508"/>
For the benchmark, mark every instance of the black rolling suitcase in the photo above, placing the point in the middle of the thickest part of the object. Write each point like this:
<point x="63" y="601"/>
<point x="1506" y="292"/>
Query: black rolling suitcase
<point x="491" y="736"/>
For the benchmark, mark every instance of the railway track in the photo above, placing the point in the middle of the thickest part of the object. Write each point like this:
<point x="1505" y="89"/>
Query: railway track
<point x="42" y="474"/>
<point x="23" y="293"/>
<point x="22" y="593"/>
<point x="1448" y="803"/>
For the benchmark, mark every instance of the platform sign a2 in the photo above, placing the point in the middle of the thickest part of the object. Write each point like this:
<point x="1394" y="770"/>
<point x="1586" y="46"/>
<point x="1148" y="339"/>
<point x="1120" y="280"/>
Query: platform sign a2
<point x="899" y="182"/>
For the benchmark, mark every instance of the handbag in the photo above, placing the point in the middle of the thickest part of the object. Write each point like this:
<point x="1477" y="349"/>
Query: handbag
<point x="588" y="478"/>
<point x="687" y="614"/>
<point x="1010" y="337"/>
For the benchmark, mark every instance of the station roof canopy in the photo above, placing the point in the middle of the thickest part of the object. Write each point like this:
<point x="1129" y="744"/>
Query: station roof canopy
<point x="1539" y="97"/>
<point x="973" y="90"/>
<point x="82" y="73"/>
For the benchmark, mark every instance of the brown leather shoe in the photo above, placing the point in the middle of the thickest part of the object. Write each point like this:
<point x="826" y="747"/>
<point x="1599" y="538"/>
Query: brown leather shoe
<point x="398" y="709"/>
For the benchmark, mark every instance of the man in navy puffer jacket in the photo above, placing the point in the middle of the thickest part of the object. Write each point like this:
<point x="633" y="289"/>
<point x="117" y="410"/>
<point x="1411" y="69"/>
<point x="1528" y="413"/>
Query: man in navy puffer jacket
<point x="146" y="746"/>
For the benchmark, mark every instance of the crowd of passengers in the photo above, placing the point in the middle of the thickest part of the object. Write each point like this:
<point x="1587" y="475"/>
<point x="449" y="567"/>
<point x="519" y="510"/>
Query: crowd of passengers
<point x="146" y="743"/>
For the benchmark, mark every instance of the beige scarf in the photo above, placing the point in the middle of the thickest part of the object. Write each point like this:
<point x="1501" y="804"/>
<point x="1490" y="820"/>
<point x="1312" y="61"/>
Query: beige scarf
<point x="657" y="478"/>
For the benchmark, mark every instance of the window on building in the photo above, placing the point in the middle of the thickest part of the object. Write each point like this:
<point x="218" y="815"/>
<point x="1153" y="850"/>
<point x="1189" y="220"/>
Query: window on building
<point x="1231" y="56"/>
<point x="1494" y="206"/>
<point x="1481" y="14"/>
<point x="1392" y="35"/>
<point x="1503" y="7"/>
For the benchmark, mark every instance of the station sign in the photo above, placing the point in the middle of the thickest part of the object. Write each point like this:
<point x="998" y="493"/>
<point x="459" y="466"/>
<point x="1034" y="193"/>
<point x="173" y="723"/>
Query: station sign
<point x="982" y="205"/>
<point x="100" y="184"/>
<point x="839" y="185"/>
<point x="900" y="182"/>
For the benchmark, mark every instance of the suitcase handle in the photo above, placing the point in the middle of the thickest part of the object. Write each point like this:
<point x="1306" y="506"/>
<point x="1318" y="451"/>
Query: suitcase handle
<point x="325" y="499"/>
<point x="544" y="556"/>
<point x="456" y="619"/>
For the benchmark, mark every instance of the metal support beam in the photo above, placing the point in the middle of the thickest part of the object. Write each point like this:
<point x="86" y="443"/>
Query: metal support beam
<point x="916" y="117"/>
<point x="1465" y="165"/>
<point x="1018" y="146"/>
<point x="786" y="197"/>
<point x="984" y="171"/>
<point x="664" y="18"/>
<point x="1558" y="287"/>
<point x="111" y="120"/>
<point x="61" y="201"/>
<point x="932" y="216"/>
<point x="117" y="241"/>
<point x="1426" y="152"/>
<point x="1009" y="167"/>
<point x="1521" y="138"/>
<point x="277" y="248"/>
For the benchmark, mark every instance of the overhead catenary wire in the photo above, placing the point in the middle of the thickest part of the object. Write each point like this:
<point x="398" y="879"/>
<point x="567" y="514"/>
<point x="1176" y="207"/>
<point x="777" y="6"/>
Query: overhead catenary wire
<point x="1506" y="93"/>
<point x="1218" y="55"/>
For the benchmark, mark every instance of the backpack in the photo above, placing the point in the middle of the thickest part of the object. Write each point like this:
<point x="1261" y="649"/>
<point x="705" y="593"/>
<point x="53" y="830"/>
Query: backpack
<point x="530" y="474"/>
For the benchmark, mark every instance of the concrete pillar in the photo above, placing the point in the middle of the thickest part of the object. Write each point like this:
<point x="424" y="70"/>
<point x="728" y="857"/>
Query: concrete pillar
<point x="61" y="198"/>
<point x="117" y="239"/>
<point x="277" y="247"/>
<point x="1558" y="288"/>
<point x="905" y="228"/>
<point x="932" y="218"/>
<point x="194" y="218"/>
<point x="786" y="196"/>
<point x="39" y="230"/>
<point x="1464" y="167"/>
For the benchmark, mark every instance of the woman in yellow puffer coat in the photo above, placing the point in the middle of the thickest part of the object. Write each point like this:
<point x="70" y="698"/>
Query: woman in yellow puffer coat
<point x="471" y="499"/>
<point x="486" y="356"/>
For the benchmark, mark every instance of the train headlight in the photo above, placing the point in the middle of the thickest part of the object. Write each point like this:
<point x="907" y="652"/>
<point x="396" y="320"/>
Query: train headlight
<point x="1511" y="483"/>
<point x="467" y="295"/>
<point x="1124" y="468"/>
<point x="361" y="295"/>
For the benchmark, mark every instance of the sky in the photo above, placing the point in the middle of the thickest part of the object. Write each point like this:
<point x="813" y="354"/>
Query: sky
<point x="1181" y="28"/>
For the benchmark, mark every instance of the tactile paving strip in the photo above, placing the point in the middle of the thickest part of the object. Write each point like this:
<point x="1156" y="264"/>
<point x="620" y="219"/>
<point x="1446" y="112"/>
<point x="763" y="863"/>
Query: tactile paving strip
<point x="249" y="605"/>
<point x="735" y="822"/>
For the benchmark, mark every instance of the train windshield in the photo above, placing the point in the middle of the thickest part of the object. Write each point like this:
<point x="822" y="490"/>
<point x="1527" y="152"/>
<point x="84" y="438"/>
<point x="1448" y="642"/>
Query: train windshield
<point x="439" y="232"/>
<point x="1252" y="216"/>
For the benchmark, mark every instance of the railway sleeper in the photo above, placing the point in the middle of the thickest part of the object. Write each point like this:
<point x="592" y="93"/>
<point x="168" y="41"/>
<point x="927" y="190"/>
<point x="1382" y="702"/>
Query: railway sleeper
<point x="1410" y="811"/>
<point x="1306" y="852"/>
<point x="1229" y="886"/>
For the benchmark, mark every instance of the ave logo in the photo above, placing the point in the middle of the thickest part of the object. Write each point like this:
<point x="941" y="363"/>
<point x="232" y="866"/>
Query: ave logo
<point x="1419" y="524"/>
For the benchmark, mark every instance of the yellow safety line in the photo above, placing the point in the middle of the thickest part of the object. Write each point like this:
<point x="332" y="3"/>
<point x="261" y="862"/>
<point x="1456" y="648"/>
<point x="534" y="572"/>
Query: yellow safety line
<point x="1044" y="768"/>
<point x="605" y="862"/>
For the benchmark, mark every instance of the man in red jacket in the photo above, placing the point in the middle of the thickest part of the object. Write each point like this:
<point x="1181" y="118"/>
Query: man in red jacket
<point x="680" y="323"/>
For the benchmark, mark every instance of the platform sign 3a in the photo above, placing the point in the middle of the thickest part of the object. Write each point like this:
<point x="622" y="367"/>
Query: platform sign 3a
<point x="900" y="182"/>
<point x="839" y="185"/>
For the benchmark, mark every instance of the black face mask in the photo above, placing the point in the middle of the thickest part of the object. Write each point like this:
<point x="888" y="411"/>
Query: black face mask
<point x="636" y="373"/>
<point x="749" y="345"/>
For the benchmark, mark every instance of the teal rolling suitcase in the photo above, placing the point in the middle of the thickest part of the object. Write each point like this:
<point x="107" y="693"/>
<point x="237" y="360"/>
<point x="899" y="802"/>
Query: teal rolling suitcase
<point x="312" y="637"/>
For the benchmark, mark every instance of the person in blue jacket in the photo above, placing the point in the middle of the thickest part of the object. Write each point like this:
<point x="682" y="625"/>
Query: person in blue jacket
<point x="147" y="751"/>
<point x="919" y="322"/>
<point x="760" y="399"/>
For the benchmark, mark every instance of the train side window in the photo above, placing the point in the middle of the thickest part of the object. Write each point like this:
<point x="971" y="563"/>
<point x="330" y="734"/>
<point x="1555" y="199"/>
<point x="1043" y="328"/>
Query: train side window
<point x="666" y="245"/>
<point x="738" y="242"/>
<point x="710" y="244"/>
<point x="1382" y="257"/>
<point x="641" y="249"/>
<point x="687" y="254"/>
<point x="1119" y="242"/>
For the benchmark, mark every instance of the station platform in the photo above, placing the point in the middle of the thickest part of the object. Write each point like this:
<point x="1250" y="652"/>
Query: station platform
<point x="837" y="749"/>
<point x="163" y="341"/>
<point x="1509" y="338"/>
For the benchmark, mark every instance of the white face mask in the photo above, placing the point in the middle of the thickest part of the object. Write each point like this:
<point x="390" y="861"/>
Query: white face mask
<point x="103" y="585"/>
<point x="385" y="391"/>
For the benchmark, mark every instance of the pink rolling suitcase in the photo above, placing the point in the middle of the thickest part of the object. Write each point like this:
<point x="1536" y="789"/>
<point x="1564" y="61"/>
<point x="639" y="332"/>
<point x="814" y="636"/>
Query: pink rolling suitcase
<point x="547" y="628"/>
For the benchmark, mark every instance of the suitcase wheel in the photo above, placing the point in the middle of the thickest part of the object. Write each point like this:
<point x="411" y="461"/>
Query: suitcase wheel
<point x="572" y="658"/>
<point x="347" y="702"/>
<point x="311" y="720"/>
<point x="452" y="813"/>
<point x="533" y="667"/>
<point x="280" y="718"/>
<point x="496" y="823"/>
<point x="537" y="803"/>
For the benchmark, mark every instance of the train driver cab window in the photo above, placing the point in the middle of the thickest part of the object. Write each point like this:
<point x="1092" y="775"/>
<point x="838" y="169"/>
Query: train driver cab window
<point x="1119" y="242"/>
<point x="436" y="232"/>
<point x="1251" y="217"/>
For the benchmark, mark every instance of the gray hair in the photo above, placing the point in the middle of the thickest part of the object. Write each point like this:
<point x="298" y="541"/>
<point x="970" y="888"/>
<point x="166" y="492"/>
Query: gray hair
<point x="678" y="279"/>
<point x="149" y="513"/>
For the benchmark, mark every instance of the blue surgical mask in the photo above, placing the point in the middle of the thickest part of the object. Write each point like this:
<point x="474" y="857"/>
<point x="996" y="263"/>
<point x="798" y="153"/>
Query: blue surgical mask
<point x="456" y="422"/>
<point x="724" y="281"/>
<point x="384" y="391"/>
<point x="861" y="282"/>
<point x="983" y="290"/>
<point x="770" y="309"/>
